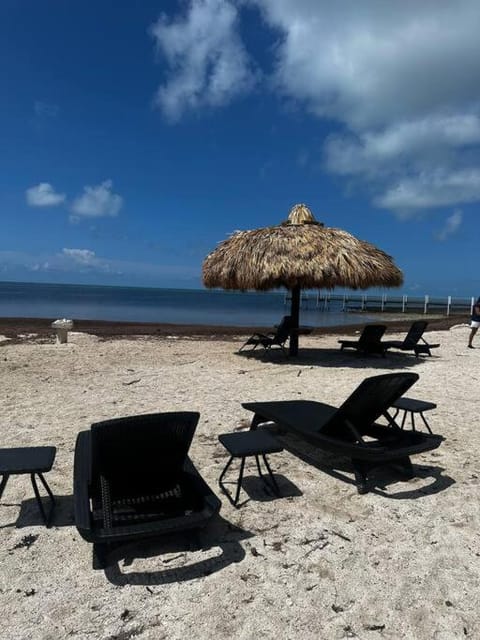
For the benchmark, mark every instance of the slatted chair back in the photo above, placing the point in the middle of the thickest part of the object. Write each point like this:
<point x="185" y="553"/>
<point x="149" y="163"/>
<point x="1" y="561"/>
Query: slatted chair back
<point x="141" y="451"/>
<point x="414" y="334"/>
<point x="372" y="333"/>
<point x="366" y="404"/>
<point x="283" y="330"/>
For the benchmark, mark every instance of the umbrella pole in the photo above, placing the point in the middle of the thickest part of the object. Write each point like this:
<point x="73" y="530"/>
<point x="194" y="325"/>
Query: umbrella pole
<point x="295" y="313"/>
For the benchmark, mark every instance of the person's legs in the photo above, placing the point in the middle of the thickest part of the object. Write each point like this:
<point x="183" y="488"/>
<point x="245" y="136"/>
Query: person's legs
<point x="470" y="339"/>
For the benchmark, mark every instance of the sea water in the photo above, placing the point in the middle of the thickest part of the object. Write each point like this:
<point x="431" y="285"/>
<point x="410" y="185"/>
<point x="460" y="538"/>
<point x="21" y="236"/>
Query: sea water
<point x="171" y="306"/>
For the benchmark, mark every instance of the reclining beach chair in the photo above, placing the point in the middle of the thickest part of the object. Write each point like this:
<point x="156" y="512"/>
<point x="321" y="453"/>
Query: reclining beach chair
<point x="413" y="341"/>
<point x="275" y="338"/>
<point x="351" y="429"/>
<point x="133" y="479"/>
<point x="369" y="340"/>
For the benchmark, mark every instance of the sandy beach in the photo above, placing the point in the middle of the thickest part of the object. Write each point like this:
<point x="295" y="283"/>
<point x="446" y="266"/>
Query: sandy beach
<point x="319" y="562"/>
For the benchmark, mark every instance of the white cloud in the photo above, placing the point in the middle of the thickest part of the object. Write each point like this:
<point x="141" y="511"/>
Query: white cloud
<point x="207" y="60"/>
<point x="98" y="201"/>
<point x="439" y="188"/>
<point x="401" y="80"/>
<point x="370" y="63"/>
<point x="451" y="226"/>
<point x="420" y="142"/>
<point x="43" y="195"/>
<point x="81" y="256"/>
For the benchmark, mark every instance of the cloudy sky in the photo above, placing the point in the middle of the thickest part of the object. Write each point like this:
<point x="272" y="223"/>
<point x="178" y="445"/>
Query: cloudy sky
<point x="135" y="136"/>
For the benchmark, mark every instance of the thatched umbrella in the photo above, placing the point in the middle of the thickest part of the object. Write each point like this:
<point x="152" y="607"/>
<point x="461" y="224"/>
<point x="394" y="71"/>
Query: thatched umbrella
<point x="300" y="253"/>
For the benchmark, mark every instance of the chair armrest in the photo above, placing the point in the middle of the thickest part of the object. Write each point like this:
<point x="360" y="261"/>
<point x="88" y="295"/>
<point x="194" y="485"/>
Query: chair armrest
<point x="82" y="469"/>
<point x="431" y="346"/>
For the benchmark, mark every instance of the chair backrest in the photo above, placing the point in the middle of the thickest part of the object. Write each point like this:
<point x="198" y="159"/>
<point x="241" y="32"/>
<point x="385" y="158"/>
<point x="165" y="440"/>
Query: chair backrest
<point x="142" y="449"/>
<point x="414" y="333"/>
<point x="283" y="330"/>
<point x="372" y="333"/>
<point x="367" y="403"/>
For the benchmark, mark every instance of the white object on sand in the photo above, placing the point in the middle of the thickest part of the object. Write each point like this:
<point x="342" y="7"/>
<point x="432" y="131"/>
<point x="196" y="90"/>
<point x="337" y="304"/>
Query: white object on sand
<point x="62" y="327"/>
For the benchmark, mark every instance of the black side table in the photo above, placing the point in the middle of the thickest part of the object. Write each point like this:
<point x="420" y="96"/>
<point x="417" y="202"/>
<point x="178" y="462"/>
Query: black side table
<point x="32" y="460"/>
<point x="249" y="443"/>
<point x="412" y="406"/>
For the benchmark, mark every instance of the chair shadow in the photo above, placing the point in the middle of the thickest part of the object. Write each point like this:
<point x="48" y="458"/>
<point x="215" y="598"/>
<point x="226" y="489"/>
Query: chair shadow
<point x="30" y="516"/>
<point x="380" y="478"/>
<point x="439" y="483"/>
<point x="219" y="534"/>
<point x="259" y="491"/>
<point x="331" y="358"/>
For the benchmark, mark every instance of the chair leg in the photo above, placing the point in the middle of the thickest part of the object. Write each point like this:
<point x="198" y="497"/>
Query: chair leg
<point x="272" y="477"/>
<point x="360" y="470"/>
<point x="412" y="418"/>
<point x="225" y="471"/>
<point x="258" y="467"/>
<point x="239" y="484"/>
<point x="46" y="518"/>
<point x="424" y="422"/>
<point x="233" y="501"/>
<point x="3" y="483"/>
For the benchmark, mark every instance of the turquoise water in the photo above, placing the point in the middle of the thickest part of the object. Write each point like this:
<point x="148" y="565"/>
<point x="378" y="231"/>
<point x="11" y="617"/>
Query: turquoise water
<point x="172" y="306"/>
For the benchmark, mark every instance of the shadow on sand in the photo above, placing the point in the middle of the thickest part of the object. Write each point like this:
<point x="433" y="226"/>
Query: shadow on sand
<point x="335" y="358"/>
<point x="181" y="556"/>
<point x="380" y="478"/>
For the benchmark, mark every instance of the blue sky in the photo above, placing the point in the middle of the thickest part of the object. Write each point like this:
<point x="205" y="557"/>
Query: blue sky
<point x="135" y="136"/>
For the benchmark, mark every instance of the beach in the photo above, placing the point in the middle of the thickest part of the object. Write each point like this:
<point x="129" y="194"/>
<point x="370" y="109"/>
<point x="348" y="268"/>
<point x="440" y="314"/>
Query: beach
<point x="320" y="561"/>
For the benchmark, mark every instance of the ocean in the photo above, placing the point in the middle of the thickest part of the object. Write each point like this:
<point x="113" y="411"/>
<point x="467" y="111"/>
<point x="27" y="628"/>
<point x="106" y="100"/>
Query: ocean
<point x="171" y="306"/>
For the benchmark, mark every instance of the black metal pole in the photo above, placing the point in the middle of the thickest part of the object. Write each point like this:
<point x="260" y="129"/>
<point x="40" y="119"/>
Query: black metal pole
<point x="295" y="313"/>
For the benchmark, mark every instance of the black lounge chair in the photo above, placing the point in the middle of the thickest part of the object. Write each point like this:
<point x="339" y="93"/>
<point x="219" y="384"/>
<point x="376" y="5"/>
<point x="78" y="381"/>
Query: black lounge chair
<point x="351" y="429"/>
<point x="413" y="341"/>
<point x="369" y="340"/>
<point x="275" y="338"/>
<point x="133" y="479"/>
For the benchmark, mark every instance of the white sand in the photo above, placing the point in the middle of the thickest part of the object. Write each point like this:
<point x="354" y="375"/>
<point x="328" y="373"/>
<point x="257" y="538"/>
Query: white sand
<point x="320" y="562"/>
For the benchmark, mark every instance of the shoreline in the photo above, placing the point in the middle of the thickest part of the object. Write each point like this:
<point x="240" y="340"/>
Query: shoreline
<point x="13" y="328"/>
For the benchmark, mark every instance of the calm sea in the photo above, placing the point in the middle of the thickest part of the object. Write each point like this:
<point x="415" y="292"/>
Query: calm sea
<point x="175" y="306"/>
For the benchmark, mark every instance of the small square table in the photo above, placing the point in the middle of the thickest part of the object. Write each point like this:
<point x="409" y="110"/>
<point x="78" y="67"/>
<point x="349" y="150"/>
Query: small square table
<point x="412" y="406"/>
<point x="33" y="460"/>
<point x="242" y="444"/>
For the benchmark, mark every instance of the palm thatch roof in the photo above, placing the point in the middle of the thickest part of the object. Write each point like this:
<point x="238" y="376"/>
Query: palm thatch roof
<point x="300" y="252"/>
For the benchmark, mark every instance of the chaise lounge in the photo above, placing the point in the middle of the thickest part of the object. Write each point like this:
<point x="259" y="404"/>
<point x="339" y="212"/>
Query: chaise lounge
<point x="351" y="430"/>
<point x="275" y="338"/>
<point x="369" y="340"/>
<point x="133" y="479"/>
<point x="413" y="341"/>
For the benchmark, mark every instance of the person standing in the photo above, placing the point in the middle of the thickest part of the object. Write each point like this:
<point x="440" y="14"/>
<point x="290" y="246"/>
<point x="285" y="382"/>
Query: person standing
<point x="475" y="323"/>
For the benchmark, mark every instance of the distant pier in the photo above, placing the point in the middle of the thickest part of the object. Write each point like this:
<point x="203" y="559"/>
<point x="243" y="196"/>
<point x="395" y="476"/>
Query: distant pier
<point x="385" y="303"/>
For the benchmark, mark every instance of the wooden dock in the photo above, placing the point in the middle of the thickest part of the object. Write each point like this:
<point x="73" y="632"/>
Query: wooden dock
<point x="384" y="303"/>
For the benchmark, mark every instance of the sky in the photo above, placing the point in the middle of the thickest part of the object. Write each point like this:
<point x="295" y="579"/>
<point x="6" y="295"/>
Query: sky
<point x="136" y="136"/>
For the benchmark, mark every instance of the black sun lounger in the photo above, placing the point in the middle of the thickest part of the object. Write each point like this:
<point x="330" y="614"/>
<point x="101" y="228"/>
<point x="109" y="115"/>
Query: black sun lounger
<point x="350" y="430"/>
<point x="275" y="338"/>
<point x="413" y="341"/>
<point x="369" y="340"/>
<point x="133" y="479"/>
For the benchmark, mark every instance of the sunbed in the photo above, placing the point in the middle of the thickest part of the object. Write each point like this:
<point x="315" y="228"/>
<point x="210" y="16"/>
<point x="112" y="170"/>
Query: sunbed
<point x="133" y="479"/>
<point x="351" y="430"/>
